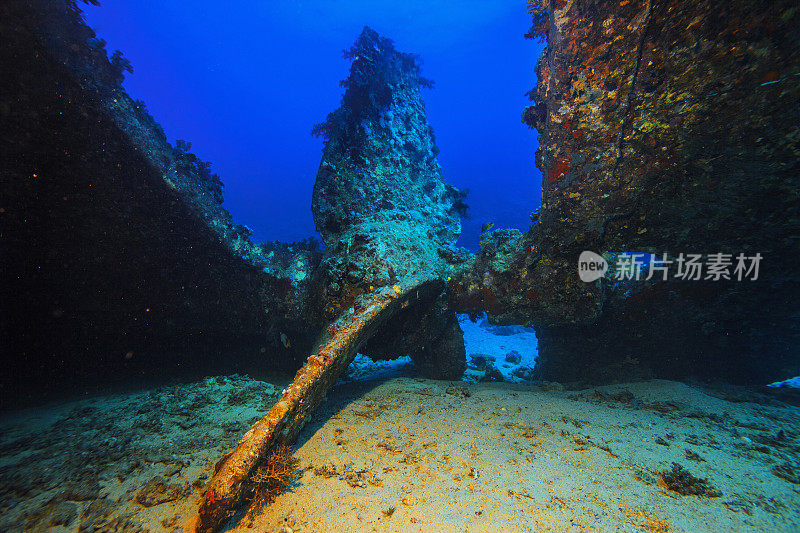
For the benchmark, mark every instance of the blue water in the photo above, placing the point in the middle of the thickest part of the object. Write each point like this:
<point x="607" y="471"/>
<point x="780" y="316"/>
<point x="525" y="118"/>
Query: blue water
<point x="245" y="85"/>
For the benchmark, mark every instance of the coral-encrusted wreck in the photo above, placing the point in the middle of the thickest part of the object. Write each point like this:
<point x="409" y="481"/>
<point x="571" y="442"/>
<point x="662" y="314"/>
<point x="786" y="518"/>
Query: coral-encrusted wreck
<point x="118" y="258"/>
<point x="383" y="209"/>
<point x="665" y="127"/>
<point x="390" y="223"/>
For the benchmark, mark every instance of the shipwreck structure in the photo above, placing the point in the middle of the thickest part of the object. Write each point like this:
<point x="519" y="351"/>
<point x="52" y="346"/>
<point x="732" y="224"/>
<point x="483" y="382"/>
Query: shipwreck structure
<point x="390" y="223"/>
<point x="118" y="258"/>
<point x="665" y="127"/>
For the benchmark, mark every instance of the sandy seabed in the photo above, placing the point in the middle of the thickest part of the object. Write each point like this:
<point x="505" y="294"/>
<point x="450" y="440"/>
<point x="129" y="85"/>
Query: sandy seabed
<point x="407" y="454"/>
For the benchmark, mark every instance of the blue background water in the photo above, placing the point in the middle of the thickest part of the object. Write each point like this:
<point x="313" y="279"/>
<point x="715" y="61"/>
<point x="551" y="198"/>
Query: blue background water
<point x="244" y="82"/>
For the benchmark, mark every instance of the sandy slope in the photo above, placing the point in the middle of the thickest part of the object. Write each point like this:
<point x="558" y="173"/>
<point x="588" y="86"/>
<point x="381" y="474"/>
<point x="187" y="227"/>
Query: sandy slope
<point x="406" y="454"/>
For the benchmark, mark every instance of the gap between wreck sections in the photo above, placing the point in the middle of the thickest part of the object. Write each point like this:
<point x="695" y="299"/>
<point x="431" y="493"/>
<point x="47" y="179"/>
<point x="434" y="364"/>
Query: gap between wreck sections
<point x="334" y="352"/>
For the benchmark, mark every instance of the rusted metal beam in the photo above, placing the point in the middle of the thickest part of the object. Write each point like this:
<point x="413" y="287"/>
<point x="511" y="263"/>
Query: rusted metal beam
<point x="334" y="352"/>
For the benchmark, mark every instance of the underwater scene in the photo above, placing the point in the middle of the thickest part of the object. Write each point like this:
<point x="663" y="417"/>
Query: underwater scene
<point x="399" y="266"/>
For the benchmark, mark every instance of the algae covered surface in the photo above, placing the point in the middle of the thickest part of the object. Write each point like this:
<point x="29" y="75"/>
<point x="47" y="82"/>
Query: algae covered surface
<point x="127" y="461"/>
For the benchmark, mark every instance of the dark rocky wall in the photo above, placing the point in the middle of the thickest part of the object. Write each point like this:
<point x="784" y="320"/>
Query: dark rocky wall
<point x="665" y="127"/>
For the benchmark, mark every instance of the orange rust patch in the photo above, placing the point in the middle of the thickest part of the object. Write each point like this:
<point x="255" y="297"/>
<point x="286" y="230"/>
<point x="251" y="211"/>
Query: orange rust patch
<point x="559" y="168"/>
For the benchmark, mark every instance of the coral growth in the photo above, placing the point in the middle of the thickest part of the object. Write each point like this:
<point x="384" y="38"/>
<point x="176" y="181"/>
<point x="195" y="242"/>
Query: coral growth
<point x="644" y="145"/>
<point x="680" y="480"/>
<point x="270" y="479"/>
<point x="379" y="160"/>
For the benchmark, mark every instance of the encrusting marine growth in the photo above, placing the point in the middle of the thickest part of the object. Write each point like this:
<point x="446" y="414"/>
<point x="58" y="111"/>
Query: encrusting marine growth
<point x="335" y="351"/>
<point x="271" y="477"/>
